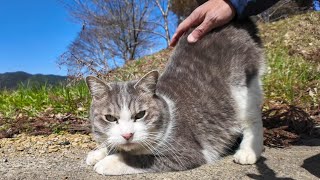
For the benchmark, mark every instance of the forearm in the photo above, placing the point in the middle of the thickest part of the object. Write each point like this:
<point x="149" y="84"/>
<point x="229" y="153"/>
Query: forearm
<point x="246" y="8"/>
<point x="214" y="13"/>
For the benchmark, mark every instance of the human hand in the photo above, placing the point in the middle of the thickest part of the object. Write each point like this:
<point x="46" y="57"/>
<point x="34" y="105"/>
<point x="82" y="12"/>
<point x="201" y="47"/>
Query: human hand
<point x="212" y="14"/>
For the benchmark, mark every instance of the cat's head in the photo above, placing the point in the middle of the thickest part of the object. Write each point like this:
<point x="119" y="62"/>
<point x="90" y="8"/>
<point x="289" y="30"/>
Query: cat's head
<point x="127" y="116"/>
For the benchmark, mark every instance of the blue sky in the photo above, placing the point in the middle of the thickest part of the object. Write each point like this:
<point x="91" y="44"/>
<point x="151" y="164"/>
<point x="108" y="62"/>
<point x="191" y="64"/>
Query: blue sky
<point x="33" y="34"/>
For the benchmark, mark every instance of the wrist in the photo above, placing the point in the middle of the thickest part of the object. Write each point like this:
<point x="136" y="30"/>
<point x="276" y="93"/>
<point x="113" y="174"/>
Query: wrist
<point x="228" y="3"/>
<point x="232" y="7"/>
<point x="239" y="6"/>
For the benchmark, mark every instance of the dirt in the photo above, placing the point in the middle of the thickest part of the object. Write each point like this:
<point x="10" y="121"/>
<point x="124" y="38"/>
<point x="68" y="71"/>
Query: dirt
<point x="284" y="125"/>
<point x="30" y="157"/>
<point x="61" y="156"/>
<point x="45" y="124"/>
<point x="25" y="144"/>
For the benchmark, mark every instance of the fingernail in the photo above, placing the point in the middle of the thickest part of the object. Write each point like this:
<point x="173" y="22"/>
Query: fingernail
<point x="192" y="39"/>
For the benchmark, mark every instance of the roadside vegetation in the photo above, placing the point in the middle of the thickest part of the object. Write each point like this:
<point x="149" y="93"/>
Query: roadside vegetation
<point x="291" y="82"/>
<point x="35" y="101"/>
<point x="293" y="53"/>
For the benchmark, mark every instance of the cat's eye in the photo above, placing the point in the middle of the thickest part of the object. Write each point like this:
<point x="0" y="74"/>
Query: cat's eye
<point x="140" y="115"/>
<point x="111" y="118"/>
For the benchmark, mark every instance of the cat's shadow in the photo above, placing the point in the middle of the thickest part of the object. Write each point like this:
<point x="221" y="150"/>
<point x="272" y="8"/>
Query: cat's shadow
<point x="312" y="165"/>
<point x="309" y="141"/>
<point x="265" y="171"/>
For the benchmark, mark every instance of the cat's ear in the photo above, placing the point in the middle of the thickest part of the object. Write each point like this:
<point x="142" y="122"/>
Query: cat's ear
<point x="97" y="87"/>
<point x="148" y="82"/>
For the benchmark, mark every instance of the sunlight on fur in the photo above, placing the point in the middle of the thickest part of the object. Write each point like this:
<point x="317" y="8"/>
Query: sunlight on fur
<point x="209" y="95"/>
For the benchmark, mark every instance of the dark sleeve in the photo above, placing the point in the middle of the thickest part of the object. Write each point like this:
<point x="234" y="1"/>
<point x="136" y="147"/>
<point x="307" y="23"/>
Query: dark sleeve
<point x="246" y="8"/>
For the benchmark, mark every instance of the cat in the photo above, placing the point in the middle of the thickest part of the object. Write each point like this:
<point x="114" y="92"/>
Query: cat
<point x="209" y="93"/>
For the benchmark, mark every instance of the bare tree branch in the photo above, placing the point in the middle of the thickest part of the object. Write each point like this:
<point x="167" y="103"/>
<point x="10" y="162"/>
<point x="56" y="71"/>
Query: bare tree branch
<point x="113" y="31"/>
<point x="164" y="9"/>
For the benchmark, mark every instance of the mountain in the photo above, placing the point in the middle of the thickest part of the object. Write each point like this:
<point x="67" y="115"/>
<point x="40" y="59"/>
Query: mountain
<point x="11" y="80"/>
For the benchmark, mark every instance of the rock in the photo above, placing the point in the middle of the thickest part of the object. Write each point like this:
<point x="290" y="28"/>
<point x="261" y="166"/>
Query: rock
<point x="42" y="151"/>
<point x="64" y="143"/>
<point x="84" y="145"/>
<point x="19" y="148"/>
<point x="5" y="160"/>
<point x="53" y="149"/>
<point x="40" y="143"/>
<point x="87" y="140"/>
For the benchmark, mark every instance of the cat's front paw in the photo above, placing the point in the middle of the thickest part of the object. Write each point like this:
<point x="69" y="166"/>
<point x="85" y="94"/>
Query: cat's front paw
<point x="110" y="165"/>
<point x="115" y="165"/>
<point x="96" y="155"/>
<point x="247" y="156"/>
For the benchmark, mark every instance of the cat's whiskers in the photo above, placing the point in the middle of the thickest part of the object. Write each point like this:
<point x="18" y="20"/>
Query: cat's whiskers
<point x="168" y="148"/>
<point x="142" y="143"/>
<point x="150" y="148"/>
<point x="174" y="153"/>
<point x="156" y="153"/>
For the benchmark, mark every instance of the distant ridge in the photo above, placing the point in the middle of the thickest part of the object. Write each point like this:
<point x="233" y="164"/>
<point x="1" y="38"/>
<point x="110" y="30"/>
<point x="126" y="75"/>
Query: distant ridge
<point x="11" y="80"/>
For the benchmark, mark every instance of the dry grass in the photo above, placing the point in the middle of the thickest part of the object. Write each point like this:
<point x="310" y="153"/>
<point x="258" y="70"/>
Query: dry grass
<point x="300" y="35"/>
<point x="292" y="84"/>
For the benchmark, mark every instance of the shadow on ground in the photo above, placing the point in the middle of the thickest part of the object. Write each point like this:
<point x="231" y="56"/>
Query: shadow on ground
<point x="312" y="165"/>
<point x="286" y="125"/>
<point x="308" y="141"/>
<point x="265" y="171"/>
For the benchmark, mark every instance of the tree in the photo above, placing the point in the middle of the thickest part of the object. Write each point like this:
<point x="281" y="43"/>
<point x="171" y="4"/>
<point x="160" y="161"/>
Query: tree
<point x="88" y="53"/>
<point x="164" y="7"/>
<point x="183" y="8"/>
<point x="113" y="31"/>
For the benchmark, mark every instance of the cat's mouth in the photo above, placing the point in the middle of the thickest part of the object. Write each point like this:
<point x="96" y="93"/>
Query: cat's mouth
<point x="129" y="146"/>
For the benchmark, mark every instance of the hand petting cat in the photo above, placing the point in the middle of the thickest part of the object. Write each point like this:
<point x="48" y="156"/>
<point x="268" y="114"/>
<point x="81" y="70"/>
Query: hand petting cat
<point x="212" y="14"/>
<point x="215" y="13"/>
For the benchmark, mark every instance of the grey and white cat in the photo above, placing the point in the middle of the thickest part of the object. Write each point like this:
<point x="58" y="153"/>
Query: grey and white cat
<point x="209" y="94"/>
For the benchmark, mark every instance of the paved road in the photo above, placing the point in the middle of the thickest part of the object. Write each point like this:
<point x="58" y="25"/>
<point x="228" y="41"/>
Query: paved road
<point x="297" y="162"/>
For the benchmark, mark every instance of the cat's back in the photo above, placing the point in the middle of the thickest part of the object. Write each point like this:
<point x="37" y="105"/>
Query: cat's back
<point x="230" y="54"/>
<point x="215" y="86"/>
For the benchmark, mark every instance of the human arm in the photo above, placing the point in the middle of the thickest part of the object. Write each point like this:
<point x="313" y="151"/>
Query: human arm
<point x="215" y="13"/>
<point x="246" y="8"/>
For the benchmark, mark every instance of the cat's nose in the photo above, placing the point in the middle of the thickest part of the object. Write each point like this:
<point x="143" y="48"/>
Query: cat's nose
<point x="127" y="136"/>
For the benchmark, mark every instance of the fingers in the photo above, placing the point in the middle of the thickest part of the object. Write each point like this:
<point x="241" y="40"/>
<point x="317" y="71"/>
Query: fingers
<point x="207" y="25"/>
<point x="195" y="18"/>
<point x="210" y="15"/>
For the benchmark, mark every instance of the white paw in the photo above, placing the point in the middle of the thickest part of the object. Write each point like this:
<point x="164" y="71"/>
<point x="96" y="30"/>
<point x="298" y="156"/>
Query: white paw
<point x="96" y="155"/>
<point x="246" y="156"/>
<point x="114" y="165"/>
<point x="110" y="165"/>
<point x="101" y="167"/>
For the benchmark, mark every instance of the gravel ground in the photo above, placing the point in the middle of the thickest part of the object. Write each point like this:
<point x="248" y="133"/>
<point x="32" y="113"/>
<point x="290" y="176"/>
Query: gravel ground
<point x="62" y="157"/>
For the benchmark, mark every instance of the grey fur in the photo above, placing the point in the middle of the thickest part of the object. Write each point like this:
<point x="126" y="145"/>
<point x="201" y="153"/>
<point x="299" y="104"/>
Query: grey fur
<point x="197" y="79"/>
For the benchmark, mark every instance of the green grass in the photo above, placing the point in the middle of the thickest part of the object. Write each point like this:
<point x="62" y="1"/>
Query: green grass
<point x="292" y="77"/>
<point x="291" y="80"/>
<point x="34" y="101"/>
<point x="293" y="55"/>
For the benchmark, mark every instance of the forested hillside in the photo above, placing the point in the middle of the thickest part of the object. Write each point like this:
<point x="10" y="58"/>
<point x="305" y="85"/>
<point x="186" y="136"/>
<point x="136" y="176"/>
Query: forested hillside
<point x="11" y="80"/>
